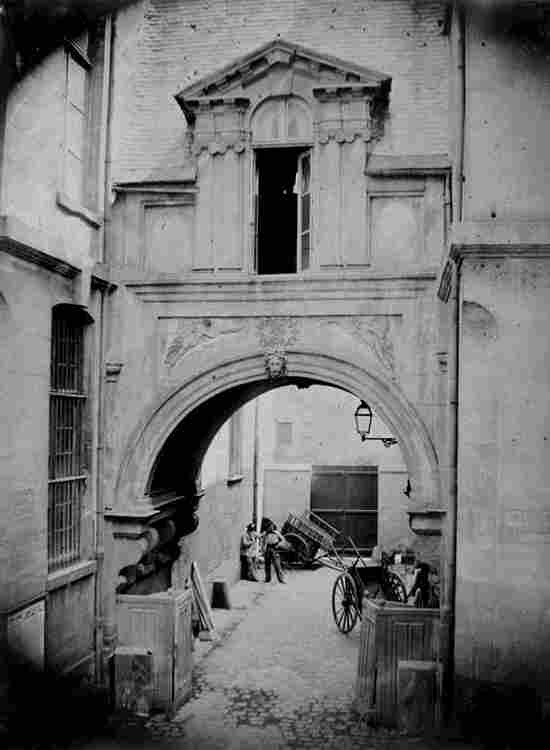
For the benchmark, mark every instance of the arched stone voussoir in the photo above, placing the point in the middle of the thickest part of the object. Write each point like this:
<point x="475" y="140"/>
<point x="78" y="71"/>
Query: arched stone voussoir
<point x="215" y="370"/>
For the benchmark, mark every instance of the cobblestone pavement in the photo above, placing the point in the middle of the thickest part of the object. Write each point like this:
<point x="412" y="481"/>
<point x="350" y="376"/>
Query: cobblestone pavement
<point x="280" y="677"/>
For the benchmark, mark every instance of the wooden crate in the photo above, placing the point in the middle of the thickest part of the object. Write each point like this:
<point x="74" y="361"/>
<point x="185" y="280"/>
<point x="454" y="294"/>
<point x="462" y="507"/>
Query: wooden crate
<point x="133" y="679"/>
<point x="390" y="633"/>
<point x="161" y="623"/>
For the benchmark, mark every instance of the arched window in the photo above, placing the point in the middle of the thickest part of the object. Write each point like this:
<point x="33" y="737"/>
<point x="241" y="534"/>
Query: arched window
<point x="282" y="133"/>
<point x="67" y="472"/>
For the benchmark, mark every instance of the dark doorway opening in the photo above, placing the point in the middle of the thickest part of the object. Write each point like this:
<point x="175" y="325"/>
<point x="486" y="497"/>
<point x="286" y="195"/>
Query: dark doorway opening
<point x="347" y="498"/>
<point x="282" y="210"/>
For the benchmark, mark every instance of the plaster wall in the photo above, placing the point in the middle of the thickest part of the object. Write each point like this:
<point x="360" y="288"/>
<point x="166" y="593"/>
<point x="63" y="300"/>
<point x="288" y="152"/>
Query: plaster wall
<point x="323" y="433"/>
<point x="32" y="174"/>
<point x="286" y="488"/>
<point x="71" y="626"/>
<point x="28" y="295"/>
<point x="224" y="512"/>
<point x="164" y="45"/>
<point x="503" y="562"/>
<point x="507" y="166"/>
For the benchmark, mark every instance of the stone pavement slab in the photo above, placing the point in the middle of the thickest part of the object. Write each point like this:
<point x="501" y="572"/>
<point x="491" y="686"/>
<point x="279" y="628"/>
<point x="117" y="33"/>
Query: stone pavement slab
<point x="279" y="677"/>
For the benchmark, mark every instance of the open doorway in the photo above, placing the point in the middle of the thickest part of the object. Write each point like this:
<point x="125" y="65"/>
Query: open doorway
<point x="283" y="207"/>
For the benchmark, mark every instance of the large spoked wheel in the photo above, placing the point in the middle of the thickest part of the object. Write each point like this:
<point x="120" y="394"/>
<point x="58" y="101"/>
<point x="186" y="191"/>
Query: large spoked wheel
<point x="345" y="602"/>
<point x="394" y="589"/>
<point x="296" y="551"/>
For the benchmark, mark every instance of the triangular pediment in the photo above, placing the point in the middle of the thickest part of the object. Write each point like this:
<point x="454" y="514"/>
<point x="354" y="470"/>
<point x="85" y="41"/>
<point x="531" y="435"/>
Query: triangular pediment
<point x="236" y="79"/>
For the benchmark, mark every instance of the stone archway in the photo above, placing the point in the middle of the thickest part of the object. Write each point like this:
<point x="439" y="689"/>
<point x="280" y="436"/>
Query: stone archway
<point x="242" y="372"/>
<point x="251" y="371"/>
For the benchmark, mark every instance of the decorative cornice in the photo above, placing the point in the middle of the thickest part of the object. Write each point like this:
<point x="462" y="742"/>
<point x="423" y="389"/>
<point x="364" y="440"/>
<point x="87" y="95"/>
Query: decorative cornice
<point x="132" y="522"/>
<point x="185" y="185"/>
<point x="408" y="165"/>
<point x="30" y="244"/>
<point x="342" y="135"/>
<point x="494" y="240"/>
<point x="322" y="287"/>
<point x="220" y="145"/>
<point x="243" y="71"/>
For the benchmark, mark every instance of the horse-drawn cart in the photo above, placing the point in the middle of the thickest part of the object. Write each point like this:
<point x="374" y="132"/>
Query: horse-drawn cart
<point x="309" y="539"/>
<point x="373" y="579"/>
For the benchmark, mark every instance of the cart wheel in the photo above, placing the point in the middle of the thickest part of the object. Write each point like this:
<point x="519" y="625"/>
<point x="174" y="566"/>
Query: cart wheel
<point x="345" y="602"/>
<point x="394" y="589"/>
<point x="297" y="551"/>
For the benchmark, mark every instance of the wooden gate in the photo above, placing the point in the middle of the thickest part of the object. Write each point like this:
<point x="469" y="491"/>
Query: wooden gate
<point x="347" y="498"/>
<point x="161" y="623"/>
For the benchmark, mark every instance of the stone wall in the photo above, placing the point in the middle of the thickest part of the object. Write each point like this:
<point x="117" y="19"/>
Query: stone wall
<point x="323" y="433"/>
<point x="503" y="595"/>
<point x="224" y="513"/>
<point x="507" y="167"/>
<point x="165" y="45"/>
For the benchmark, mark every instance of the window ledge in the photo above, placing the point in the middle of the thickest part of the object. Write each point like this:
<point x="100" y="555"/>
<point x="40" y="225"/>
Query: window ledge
<point x="234" y="479"/>
<point x="69" y="575"/>
<point x="71" y="206"/>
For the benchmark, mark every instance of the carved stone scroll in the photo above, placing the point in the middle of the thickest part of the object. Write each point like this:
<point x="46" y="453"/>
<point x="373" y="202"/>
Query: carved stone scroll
<point x="197" y="332"/>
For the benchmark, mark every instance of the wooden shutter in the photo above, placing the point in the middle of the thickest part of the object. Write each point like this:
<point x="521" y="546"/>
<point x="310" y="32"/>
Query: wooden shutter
<point x="304" y="211"/>
<point x="255" y="215"/>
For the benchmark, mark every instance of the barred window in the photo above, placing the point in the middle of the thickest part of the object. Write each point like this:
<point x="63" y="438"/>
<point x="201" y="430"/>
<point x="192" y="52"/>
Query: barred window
<point x="67" y="476"/>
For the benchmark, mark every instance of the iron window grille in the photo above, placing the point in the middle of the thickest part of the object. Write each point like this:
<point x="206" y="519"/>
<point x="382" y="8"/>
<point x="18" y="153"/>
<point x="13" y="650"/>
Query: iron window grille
<point x="67" y="475"/>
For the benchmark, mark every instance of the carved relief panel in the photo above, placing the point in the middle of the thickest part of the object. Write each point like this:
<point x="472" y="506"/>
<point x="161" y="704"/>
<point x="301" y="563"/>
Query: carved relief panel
<point x="377" y="335"/>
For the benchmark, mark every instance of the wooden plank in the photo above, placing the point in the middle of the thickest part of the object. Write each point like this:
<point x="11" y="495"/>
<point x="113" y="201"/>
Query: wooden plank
<point x="201" y="598"/>
<point x="183" y="657"/>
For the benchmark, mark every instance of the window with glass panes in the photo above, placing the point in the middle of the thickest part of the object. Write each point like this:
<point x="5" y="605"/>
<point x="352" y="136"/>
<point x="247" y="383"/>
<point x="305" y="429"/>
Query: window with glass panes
<point x="67" y="475"/>
<point x="76" y="117"/>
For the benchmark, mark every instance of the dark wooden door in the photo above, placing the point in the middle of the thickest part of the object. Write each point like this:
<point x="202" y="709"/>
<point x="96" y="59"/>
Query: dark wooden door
<point x="347" y="498"/>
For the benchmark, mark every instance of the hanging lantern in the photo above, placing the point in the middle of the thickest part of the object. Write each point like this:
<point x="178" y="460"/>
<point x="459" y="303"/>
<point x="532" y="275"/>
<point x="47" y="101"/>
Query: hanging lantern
<point x="363" y="424"/>
<point x="363" y="419"/>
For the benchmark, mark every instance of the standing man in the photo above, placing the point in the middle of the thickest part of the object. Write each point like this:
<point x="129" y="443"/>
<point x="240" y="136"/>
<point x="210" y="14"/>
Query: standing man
<point x="273" y="540"/>
<point x="248" y="552"/>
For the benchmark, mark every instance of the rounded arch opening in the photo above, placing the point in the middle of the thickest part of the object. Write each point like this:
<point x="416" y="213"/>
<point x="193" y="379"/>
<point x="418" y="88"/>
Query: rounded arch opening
<point x="203" y="403"/>
<point x="164" y="457"/>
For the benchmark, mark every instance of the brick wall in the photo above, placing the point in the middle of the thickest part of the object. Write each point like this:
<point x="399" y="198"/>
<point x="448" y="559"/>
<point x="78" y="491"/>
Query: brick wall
<point x="507" y="166"/>
<point x="168" y="44"/>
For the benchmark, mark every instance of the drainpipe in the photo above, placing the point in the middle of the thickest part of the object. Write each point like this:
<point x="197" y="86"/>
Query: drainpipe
<point x="449" y="599"/>
<point x="103" y="190"/>
<point x="459" y="50"/>
<point x="255" y="463"/>
<point x="7" y="77"/>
